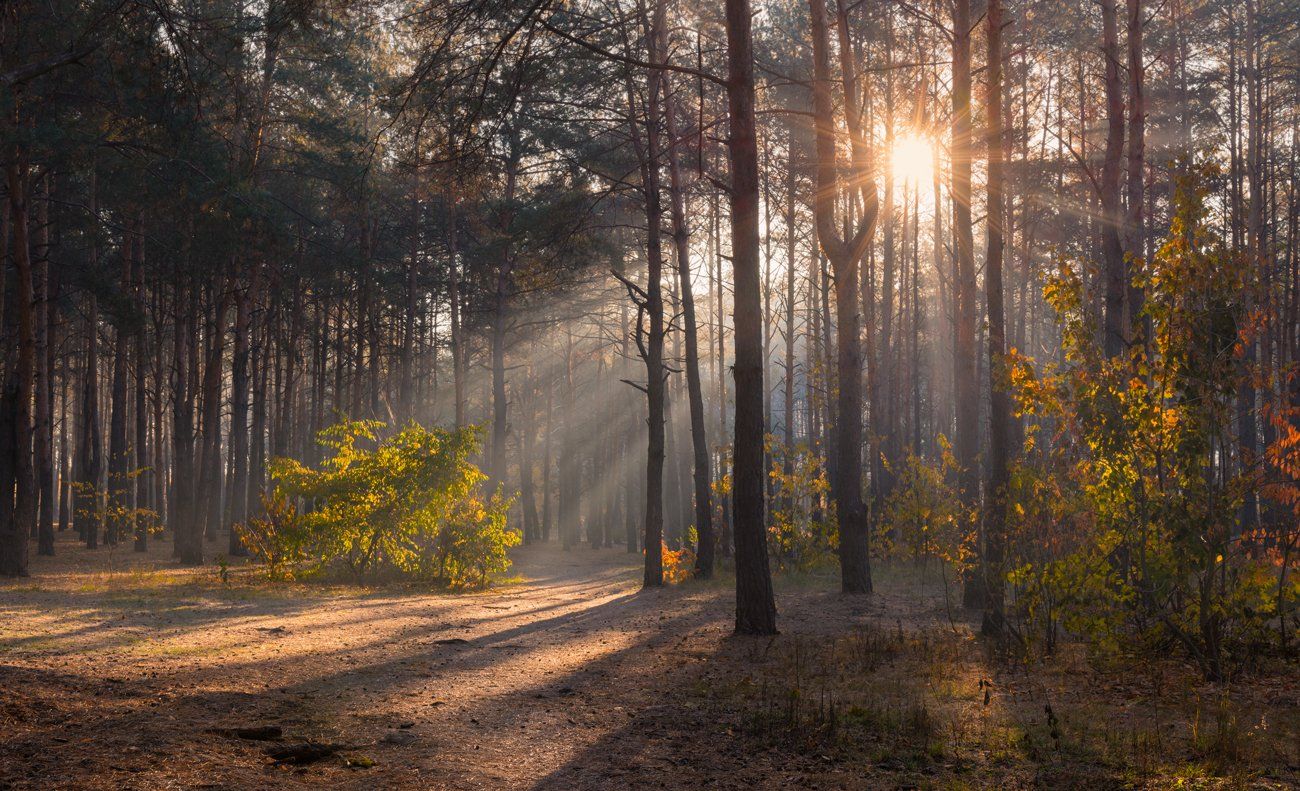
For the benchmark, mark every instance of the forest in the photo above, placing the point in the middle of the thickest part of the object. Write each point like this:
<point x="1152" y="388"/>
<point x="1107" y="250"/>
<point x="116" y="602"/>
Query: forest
<point x="587" y="394"/>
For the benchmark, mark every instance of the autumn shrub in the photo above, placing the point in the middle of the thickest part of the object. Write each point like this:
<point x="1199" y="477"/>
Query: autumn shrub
<point x="276" y="535"/>
<point x="410" y="504"/>
<point x="469" y="543"/>
<point x="1128" y="533"/>
<point x="802" y="531"/>
<point x="679" y="564"/>
<point x="922" y="517"/>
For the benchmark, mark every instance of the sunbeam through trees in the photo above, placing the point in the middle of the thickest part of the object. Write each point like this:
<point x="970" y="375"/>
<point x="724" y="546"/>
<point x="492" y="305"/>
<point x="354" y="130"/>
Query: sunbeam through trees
<point x="636" y="393"/>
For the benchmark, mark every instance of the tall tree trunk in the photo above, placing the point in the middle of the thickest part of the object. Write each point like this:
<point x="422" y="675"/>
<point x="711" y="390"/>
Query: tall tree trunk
<point x="406" y="387"/>
<point x="65" y="454"/>
<point x="845" y="255"/>
<point x="45" y="327"/>
<point x="755" y="608"/>
<point x="787" y="462"/>
<point x="186" y="521"/>
<point x="259" y="355"/>
<point x="1247" y="432"/>
<point x="999" y="406"/>
<point x="726" y="538"/>
<point x="501" y="317"/>
<point x="570" y="510"/>
<point x="965" y="380"/>
<point x="86" y="499"/>
<point x="1112" y="248"/>
<point x="16" y="402"/>
<point x="453" y="296"/>
<point x="650" y="306"/>
<point x="547" y="500"/>
<point x="145" y="471"/>
<point x="884" y="418"/>
<point x="704" y="556"/>
<point x="1136" y="222"/>
<point x="527" y="498"/>
<point x="210" y="469"/>
<point x="237" y="486"/>
<point x="120" y="522"/>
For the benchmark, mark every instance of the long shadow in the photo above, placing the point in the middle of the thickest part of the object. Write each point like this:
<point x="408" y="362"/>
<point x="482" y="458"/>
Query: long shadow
<point x="682" y="736"/>
<point x="135" y="612"/>
<point x="128" y="727"/>
<point x="36" y="750"/>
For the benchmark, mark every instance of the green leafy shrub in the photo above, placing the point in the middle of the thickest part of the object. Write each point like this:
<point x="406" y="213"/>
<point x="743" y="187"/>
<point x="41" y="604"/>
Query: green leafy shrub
<point x="409" y="504"/>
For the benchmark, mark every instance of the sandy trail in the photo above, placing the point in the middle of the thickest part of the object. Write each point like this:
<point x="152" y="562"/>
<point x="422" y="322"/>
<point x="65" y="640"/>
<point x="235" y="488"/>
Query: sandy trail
<point x="119" y="677"/>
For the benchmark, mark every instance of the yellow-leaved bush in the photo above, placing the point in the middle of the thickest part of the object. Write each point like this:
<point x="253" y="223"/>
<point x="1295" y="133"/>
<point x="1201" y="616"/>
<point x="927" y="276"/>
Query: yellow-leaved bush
<point x="1124" y="514"/>
<point x="802" y="533"/>
<point x="409" y="504"/>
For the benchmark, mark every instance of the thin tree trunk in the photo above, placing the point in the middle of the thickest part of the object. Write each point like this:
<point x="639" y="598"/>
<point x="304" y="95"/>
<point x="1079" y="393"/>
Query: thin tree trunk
<point x="144" y="471"/>
<point x="704" y="557"/>
<point x="237" y="487"/>
<point x="87" y="504"/>
<point x="45" y="326"/>
<point x="185" y="520"/>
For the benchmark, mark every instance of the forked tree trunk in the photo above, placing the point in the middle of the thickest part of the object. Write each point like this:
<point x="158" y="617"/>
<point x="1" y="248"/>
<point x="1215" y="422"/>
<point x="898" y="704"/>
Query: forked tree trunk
<point x="845" y="255"/>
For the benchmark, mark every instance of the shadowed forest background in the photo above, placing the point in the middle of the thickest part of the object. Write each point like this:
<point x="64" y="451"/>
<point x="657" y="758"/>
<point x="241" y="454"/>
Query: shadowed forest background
<point x="803" y="393"/>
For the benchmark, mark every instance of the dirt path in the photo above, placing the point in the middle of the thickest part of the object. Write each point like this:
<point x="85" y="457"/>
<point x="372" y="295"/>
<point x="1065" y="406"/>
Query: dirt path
<point x="120" y="676"/>
<point x="123" y="671"/>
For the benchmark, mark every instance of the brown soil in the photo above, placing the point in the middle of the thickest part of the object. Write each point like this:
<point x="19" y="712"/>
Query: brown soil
<point x="119" y="670"/>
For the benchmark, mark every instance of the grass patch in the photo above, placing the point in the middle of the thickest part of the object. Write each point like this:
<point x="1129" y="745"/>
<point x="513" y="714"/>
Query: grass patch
<point x="931" y="706"/>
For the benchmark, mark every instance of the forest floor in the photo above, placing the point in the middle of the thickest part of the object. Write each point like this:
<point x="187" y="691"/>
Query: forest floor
<point x="123" y="671"/>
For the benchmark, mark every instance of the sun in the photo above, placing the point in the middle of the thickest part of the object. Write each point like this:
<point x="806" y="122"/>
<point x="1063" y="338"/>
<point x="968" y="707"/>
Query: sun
<point x="912" y="159"/>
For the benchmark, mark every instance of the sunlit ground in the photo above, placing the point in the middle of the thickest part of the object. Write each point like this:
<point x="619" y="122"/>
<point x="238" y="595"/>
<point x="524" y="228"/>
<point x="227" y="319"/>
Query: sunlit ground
<point x="122" y="671"/>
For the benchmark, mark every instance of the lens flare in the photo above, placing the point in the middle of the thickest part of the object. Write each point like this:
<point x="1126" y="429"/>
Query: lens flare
<point x="912" y="159"/>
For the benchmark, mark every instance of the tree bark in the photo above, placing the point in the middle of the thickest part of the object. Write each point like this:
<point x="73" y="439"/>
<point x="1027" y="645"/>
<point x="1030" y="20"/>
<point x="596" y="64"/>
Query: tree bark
<point x="1112" y="249"/>
<point x="17" y="398"/>
<point x="999" y="402"/>
<point x="755" y="608"/>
